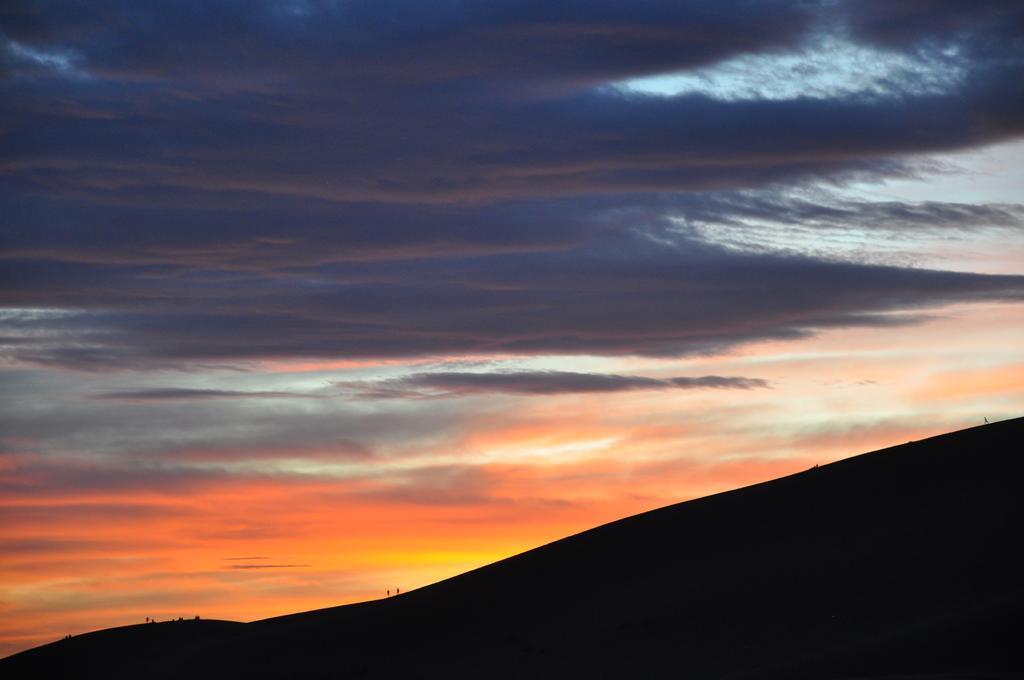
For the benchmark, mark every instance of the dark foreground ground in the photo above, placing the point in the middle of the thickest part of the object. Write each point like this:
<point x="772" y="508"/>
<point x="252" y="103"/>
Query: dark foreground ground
<point x="900" y="563"/>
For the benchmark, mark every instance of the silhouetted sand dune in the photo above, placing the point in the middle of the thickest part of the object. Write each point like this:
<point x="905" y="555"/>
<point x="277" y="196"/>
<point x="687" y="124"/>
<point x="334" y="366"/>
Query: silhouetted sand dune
<point x="895" y="564"/>
<point x="114" y="650"/>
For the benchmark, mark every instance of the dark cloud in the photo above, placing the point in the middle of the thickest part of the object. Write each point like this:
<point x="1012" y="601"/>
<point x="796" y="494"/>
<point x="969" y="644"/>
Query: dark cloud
<point x="221" y="156"/>
<point x="339" y="151"/>
<point x="536" y="383"/>
<point x="896" y="23"/>
<point x="649" y="292"/>
<point x="400" y="40"/>
<point x="272" y="233"/>
<point x="192" y="184"/>
<point x="221" y="248"/>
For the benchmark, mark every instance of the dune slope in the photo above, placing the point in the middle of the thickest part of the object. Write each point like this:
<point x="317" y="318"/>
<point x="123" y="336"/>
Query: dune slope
<point x="898" y="562"/>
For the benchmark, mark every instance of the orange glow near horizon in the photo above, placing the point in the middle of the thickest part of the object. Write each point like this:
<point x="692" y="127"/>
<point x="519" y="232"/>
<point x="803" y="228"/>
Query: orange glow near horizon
<point x="306" y="302"/>
<point x="301" y="530"/>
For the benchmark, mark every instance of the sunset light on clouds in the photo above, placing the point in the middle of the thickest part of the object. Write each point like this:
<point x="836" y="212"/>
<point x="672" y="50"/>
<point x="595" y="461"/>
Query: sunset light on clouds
<point x="307" y="301"/>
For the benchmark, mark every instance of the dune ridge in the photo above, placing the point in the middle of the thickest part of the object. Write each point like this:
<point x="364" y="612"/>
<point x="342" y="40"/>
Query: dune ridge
<point x="897" y="563"/>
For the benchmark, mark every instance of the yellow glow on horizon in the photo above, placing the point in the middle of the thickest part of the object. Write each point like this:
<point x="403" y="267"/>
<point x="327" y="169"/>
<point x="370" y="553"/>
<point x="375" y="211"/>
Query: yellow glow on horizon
<point x="521" y="474"/>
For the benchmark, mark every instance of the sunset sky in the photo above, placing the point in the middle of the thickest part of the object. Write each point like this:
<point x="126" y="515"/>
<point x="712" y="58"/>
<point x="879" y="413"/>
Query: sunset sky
<point x="301" y="301"/>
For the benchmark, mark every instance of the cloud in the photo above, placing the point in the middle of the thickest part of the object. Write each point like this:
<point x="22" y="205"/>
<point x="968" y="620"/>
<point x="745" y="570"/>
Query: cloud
<point x="648" y="292"/>
<point x="431" y="485"/>
<point x="402" y="40"/>
<point x="173" y="393"/>
<point x="54" y="478"/>
<point x="391" y="180"/>
<point x="264" y="566"/>
<point x="600" y="141"/>
<point x="896" y="23"/>
<point x="717" y="382"/>
<point x="97" y="513"/>
<point x="28" y="547"/>
<point x="824" y="223"/>
<point x="320" y="107"/>
<point x="826" y="210"/>
<point x="184" y="443"/>
<point x="534" y="383"/>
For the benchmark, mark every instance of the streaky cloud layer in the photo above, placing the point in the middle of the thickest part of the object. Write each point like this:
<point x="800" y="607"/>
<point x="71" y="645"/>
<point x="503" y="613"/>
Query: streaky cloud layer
<point x="376" y="291"/>
<point x="367" y="180"/>
<point x="441" y="383"/>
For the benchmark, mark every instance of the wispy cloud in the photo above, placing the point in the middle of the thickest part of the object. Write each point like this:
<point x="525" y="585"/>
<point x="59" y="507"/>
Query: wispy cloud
<point x="174" y="393"/>
<point x="527" y="383"/>
<point x="265" y="566"/>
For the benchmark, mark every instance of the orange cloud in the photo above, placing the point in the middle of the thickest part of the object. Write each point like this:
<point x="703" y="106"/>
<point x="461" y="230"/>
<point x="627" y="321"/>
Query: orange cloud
<point x="108" y="542"/>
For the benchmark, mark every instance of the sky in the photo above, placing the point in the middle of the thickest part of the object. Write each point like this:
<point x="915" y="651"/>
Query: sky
<point x="303" y="301"/>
